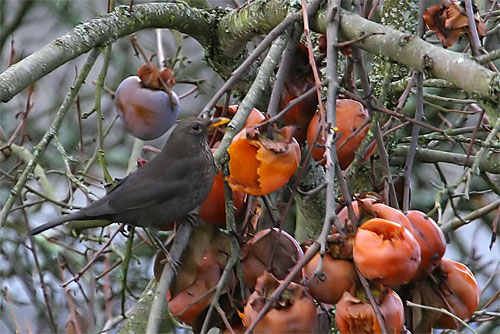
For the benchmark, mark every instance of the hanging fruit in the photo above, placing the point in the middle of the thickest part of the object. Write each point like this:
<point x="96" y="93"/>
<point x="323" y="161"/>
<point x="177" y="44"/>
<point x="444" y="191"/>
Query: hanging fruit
<point x="459" y="287"/>
<point x="431" y="240"/>
<point x="386" y="251"/>
<point x="350" y="116"/>
<point x="298" y="81"/>
<point x="338" y="277"/>
<point x="259" y="165"/>
<point x="213" y="208"/>
<point x="293" y="312"/>
<point x="145" y="107"/>
<point x="356" y="315"/>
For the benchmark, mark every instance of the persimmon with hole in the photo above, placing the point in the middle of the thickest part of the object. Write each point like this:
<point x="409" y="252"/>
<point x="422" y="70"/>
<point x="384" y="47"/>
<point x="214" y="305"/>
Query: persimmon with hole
<point x="459" y="287"/>
<point x="357" y="316"/>
<point x="386" y="251"/>
<point x="259" y="165"/>
<point x="293" y="312"/>
<point x="350" y="116"/>
<point x="338" y="277"/>
<point x="213" y="208"/>
<point x="188" y="304"/>
<point x="431" y="240"/>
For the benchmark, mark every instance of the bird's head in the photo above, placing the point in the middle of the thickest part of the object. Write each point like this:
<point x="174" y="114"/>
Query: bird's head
<point x="191" y="133"/>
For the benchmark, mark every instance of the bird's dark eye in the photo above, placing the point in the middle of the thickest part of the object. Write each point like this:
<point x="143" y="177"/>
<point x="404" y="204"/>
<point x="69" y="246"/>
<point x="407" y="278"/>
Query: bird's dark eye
<point x="196" y="127"/>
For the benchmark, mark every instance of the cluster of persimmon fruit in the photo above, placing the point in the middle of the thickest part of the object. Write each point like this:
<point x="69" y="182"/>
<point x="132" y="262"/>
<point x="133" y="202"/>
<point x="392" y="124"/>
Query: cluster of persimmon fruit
<point x="398" y="255"/>
<point x="376" y="255"/>
<point x="401" y="255"/>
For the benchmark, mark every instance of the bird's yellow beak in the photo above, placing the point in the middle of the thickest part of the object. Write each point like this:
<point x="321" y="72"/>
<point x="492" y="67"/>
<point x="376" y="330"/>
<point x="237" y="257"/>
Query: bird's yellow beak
<point x="218" y="121"/>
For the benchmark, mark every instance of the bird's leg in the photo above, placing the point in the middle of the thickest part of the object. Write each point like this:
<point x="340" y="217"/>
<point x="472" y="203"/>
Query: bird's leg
<point x="173" y="264"/>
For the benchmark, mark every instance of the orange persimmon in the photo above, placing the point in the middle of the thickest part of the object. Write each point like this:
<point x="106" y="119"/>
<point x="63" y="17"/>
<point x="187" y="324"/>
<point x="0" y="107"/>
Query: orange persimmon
<point x="213" y="208"/>
<point x="366" y="208"/>
<point x="350" y="116"/>
<point x="339" y="276"/>
<point x="359" y="206"/>
<point x="354" y="315"/>
<point x="386" y="251"/>
<point x="431" y="240"/>
<point x="258" y="165"/>
<point x="459" y="287"/>
<point x="294" y="312"/>
<point x="255" y="117"/>
<point x="381" y="210"/>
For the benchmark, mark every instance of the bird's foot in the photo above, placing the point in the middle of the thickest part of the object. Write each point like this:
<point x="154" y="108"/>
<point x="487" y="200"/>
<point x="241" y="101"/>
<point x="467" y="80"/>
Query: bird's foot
<point x="174" y="264"/>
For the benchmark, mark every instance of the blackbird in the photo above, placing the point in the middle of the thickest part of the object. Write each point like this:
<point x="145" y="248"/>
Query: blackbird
<point x="167" y="188"/>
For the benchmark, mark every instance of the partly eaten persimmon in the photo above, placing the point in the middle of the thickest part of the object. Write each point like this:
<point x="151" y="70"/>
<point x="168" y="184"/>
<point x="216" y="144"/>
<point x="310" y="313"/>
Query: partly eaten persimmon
<point x="449" y="21"/>
<point x="386" y="251"/>
<point x="188" y="304"/>
<point x="259" y="165"/>
<point x="271" y="250"/>
<point x="350" y="116"/>
<point x="356" y="316"/>
<point x="293" y="312"/>
<point x="459" y="287"/>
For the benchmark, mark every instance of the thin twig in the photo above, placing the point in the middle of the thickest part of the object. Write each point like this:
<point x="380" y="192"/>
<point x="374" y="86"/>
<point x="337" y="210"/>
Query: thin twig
<point x="277" y="31"/>
<point x="283" y="71"/>
<point x="407" y="169"/>
<point x="442" y="310"/>
<point x="49" y="134"/>
<point x="456" y="223"/>
<point x="69" y="299"/>
<point x="283" y="285"/>
<point x="94" y="258"/>
<point x="40" y="274"/>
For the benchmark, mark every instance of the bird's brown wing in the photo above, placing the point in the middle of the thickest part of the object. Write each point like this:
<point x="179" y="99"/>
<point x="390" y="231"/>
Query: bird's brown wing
<point x="139" y="190"/>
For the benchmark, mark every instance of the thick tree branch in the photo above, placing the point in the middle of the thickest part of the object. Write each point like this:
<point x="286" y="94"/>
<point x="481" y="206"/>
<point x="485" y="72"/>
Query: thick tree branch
<point x="490" y="165"/>
<point x="457" y="68"/>
<point x="100" y="31"/>
<point x="410" y="50"/>
<point x="238" y="27"/>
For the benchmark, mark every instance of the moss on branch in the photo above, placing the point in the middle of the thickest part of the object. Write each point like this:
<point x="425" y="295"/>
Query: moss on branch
<point x="410" y="50"/>
<point x="225" y="34"/>
<point x="100" y="31"/>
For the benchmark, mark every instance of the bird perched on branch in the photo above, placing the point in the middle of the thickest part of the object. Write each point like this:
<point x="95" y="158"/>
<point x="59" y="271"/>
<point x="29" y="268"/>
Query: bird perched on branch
<point x="166" y="188"/>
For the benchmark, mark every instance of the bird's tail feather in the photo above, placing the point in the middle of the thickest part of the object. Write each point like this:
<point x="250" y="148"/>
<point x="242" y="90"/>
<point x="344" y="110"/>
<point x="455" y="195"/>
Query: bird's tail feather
<point x="61" y="220"/>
